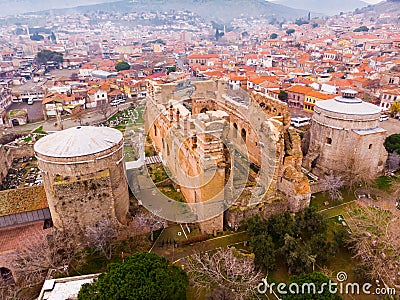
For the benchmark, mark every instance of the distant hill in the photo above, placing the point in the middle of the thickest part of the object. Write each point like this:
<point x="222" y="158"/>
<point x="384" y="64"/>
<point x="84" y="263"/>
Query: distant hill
<point x="385" y="11"/>
<point x="325" y="7"/>
<point x="12" y="7"/>
<point x="218" y="10"/>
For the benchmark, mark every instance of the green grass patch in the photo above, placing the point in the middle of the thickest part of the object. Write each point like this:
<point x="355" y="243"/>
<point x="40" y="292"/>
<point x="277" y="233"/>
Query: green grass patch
<point x="40" y="130"/>
<point x="95" y="262"/>
<point x="207" y="245"/>
<point x="157" y="172"/>
<point x="173" y="233"/>
<point x="318" y="199"/>
<point x="170" y="192"/>
<point x="28" y="139"/>
<point x="385" y="182"/>
<point x="114" y="117"/>
<point x="120" y="128"/>
<point x="339" y="210"/>
<point x="140" y="120"/>
<point x="130" y="153"/>
<point x="338" y="219"/>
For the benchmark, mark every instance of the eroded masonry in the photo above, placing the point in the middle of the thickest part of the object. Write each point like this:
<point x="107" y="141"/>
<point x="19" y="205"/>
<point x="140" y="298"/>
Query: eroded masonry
<point x="205" y="131"/>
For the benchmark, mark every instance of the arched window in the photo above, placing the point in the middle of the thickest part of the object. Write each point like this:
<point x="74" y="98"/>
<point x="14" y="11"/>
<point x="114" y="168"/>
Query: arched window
<point x="235" y="130"/>
<point x="6" y="277"/>
<point x="155" y="130"/>
<point x="203" y="110"/>
<point x="243" y="135"/>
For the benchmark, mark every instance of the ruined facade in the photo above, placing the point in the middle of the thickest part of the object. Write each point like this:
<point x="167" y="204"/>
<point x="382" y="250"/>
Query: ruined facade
<point x="84" y="176"/>
<point x="346" y="139"/>
<point x="188" y="122"/>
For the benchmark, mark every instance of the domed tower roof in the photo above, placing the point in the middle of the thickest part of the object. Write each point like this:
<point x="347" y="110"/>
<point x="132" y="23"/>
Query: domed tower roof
<point x="348" y="104"/>
<point x="78" y="141"/>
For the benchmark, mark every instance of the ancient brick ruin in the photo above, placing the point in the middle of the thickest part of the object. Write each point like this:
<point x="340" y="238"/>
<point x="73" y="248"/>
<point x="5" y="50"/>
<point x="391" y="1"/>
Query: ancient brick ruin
<point x="188" y="121"/>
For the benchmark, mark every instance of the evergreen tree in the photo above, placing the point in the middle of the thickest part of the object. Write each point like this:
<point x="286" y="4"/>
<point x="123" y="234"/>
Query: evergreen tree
<point x="143" y="276"/>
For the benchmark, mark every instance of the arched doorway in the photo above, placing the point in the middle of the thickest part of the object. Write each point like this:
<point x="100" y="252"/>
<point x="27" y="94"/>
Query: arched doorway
<point x="6" y="277"/>
<point x="243" y="135"/>
<point x="203" y="110"/>
<point x="15" y="122"/>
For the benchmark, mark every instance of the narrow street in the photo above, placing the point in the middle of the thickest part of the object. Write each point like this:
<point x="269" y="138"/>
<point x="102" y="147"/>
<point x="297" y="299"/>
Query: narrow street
<point x="90" y="117"/>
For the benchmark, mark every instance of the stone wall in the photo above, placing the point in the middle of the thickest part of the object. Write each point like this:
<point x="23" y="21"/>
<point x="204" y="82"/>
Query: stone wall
<point x="346" y="144"/>
<point x="8" y="154"/>
<point x="183" y="151"/>
<point x="65" y="169"/>
<point x="81" y="201"/>
<point x="287" y="155"/>
<point x="5" y="162"/>
<point x="237" y="216"/>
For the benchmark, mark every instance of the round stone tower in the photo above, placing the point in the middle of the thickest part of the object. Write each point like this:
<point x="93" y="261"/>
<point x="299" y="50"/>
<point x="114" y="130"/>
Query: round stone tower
<point x="84" y="175"/>
<point x="345" y="136"/>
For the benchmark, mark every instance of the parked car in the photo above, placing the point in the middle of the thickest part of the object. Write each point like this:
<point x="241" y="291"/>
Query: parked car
<point x="383" y="118"/>
<point x="30" y="101"/>
<point x="114" y="102"/>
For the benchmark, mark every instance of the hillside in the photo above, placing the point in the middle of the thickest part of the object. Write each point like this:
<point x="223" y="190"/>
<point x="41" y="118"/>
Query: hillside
<point x="11" y="7"/>
<point x="325" y="7"/>
<point x="385" y="12"/>
<point x="219" y="10"/>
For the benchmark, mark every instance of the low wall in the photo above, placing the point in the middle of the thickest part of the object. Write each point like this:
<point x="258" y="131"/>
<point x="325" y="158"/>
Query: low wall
<point x="8" y="154"/>
<point x="235" y="217"/>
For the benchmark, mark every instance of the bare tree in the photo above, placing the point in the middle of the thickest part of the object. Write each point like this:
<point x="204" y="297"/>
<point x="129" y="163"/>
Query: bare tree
<point x="357" y="175"/>
<point x="332" y="184"/>
<point x="393" y="161"/>
<point x="105" y="110"/>
<point x="227" y="268"/>
<point x="151" y="220"/>
<point x="220" y="293"/>
<point x="52" y="251"/>
<point x="78" y="114"/>
<point x="374" y="244"/>
<point x="101" y="237"/>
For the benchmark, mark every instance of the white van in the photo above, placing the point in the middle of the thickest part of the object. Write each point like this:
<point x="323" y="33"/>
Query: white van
<point x="115" y="102"/>
<point x="383" y="118"/>
<point x="30" y="100"/>
<point x="300" y="121"/>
